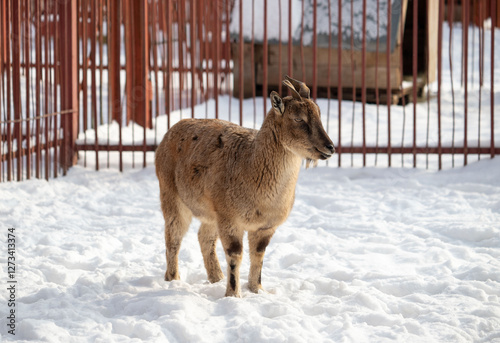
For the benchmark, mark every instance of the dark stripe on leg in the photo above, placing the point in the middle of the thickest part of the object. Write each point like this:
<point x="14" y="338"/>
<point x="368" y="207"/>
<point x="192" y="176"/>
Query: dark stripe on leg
<point x="261" y="246"/>
<point x="232" y="281"/>
<point x="234" y="248"/>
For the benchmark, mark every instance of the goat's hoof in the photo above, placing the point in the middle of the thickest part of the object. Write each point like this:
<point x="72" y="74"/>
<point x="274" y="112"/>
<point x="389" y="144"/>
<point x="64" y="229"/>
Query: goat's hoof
<point x="231" y="293"/>
<point x="215" y="278"/>
<point x="172" y="276"/>
<point x="255" y="288"/>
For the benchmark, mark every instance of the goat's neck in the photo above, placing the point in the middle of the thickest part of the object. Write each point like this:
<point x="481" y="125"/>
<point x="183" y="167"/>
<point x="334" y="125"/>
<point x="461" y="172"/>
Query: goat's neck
<point x="272" y="161"/>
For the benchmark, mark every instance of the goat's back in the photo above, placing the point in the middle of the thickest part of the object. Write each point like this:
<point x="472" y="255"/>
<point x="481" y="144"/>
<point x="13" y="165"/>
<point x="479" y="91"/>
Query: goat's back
<point x="203" y="162"/>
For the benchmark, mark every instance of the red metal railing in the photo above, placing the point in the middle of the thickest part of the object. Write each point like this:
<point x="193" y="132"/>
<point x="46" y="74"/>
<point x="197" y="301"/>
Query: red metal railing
<point x="37" y="69"/>
<point x="109" y="77"/>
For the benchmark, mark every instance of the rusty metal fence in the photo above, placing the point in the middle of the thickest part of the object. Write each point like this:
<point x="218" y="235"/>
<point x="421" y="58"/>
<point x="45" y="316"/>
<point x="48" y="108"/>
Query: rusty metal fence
<point x="399" y="82"/>
<point x="37" y="101"/>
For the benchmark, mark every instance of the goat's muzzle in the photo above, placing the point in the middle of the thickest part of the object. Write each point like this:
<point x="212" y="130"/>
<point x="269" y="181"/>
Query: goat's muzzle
<point x="326" y="152"/>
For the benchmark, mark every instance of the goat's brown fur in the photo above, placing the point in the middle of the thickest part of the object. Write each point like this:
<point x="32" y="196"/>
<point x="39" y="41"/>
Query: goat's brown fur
<point x="235" y="179"/>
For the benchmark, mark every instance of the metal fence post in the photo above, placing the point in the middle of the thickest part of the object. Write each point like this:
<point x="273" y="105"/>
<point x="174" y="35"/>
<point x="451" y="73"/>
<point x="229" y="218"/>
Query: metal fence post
<point x="137" y="53"/>
<point x="114" y="69"/>
<point x="69" y="82"/>
<point x="16" y="81"/>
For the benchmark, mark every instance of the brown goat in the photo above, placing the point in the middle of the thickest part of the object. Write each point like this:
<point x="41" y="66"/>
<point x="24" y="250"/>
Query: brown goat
<point x="235" y="179"/>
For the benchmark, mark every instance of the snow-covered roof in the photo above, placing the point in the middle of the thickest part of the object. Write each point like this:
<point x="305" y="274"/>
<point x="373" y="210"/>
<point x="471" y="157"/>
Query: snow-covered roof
<point x="376" y="21"/>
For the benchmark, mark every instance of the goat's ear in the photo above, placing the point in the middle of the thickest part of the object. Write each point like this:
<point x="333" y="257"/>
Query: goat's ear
<point x="277" y="102"/>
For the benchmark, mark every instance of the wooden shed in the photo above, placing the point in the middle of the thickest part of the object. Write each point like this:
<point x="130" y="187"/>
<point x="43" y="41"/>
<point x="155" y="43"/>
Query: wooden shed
<point x="327" y="62"/>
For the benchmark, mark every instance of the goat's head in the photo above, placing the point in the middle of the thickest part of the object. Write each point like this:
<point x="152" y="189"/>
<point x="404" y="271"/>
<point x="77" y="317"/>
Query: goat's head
<point x="302" y="131"/>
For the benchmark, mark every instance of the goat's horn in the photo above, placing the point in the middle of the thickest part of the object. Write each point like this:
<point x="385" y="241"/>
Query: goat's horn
<point x="295" y="94"/>
<point x="301" y="86"/>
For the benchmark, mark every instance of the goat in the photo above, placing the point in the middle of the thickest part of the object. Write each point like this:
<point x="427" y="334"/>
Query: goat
<point x="235" y="179"/>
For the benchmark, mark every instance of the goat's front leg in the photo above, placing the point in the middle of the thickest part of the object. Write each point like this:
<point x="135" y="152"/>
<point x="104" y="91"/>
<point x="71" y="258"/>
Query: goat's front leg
<point x="232" y="241"/>
<point x="257" y="241"/>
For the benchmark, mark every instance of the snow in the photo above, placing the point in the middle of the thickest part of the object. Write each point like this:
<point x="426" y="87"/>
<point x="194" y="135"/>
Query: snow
<point x="367" y="255"/>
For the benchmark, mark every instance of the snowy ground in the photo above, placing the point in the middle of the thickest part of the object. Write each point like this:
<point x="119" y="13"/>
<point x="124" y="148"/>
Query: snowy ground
<point x="367" y="255"/>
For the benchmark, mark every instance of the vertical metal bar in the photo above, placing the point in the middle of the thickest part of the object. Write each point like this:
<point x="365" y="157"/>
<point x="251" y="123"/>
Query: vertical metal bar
<point x="252" y="63"/>
<point x="450" y="45"/>
<point x="217" y="56"/>
<point x="481" y="42"/>
<point x="38" y="78"/>
<point x="363" y="81"/>
<point x="241" y="86"/>
<point x="180" y="43"/>
<point x="163" y="55"/>
<point x="427" y="75"/>
<point x="1" y="97"/>
<point x="229" y="90"/>
<point x="7" y="34"/>
<point x="16" y="82"/>
<point x="57" y="75"/>
<point x="3" y="41"/>
<point x="64" y="123"/>
<point x="69" y="81"/>
<point x="481" y="69"/>
<point x="403" y="98"/>
<point x="264" y="60"/>
<point x="27" y="63"/>
<point x="466" y="62"/>
<point x="128" y="58"/>
<point x="49" y="98"/>
<point x="129" y="68"/>
<point x="205" y="24"/>
<point x="389" y="90"/>
<point x="315" y="49"/>
<point x="93" y="45"/>
<point x="415" y="71"/>
<point x="353" y="80"/>
<point x="155" y="19"/>
<point x="328" y="89"/>
<point x="114" y="40"/>
<point x="440" y="66"/>
<point x="477" y="16"/>
<point x="463" y="40"/>
<point x="101" y="70"/>
<point x="339" y="82"/>
<point x="101" y="63"/>
<point x="290" y="40"/>
<point x="47" y="87"/>
<point x="377" y="93"/>
<point x="192" y="33"/>
<point x="132" y="77"/>
<point x="144" y="82"/>
<point x="473" y="42"/>
<point x="85" y="74"/>
<point x="492" y="78"/>
<point x="163" y="52"/>
<point x="302" y="59"/>
<point x="280" y="74"/>
<point x="169" y="61"/>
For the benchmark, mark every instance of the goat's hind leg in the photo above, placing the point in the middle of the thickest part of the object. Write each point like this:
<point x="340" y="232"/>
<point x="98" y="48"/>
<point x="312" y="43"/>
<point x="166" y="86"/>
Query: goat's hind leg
<point x="207" y="236"/>
<point x="177" y="219"/>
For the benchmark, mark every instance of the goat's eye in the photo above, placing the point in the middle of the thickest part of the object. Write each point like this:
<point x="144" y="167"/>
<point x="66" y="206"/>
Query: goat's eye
<point x="298" y="120"/>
